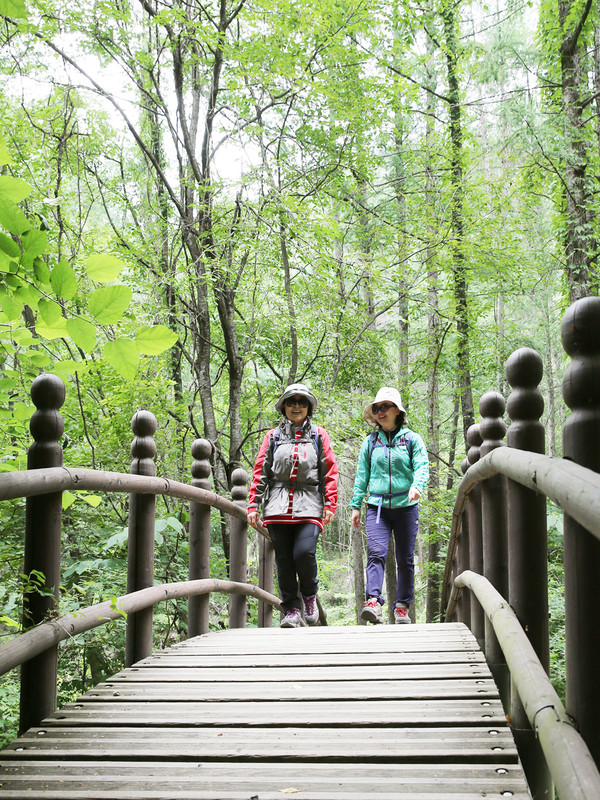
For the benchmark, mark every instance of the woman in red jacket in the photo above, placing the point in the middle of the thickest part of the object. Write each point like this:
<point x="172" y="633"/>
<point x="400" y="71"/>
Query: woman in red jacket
<point x="295" y="482"/>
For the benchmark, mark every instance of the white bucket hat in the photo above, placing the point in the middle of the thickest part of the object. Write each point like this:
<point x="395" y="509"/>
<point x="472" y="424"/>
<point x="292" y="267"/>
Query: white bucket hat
<point x="303" y="391"/>
<point x="387" y="394"/>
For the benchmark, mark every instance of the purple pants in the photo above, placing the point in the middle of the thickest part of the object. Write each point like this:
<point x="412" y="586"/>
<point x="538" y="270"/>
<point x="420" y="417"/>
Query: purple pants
<point x="403" y="523"/>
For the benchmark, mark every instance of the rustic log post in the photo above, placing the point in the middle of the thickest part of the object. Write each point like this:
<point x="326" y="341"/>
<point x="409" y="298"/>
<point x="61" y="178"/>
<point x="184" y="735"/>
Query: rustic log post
<point x="463" y="611"/>
<point x="140" y="542"/>
<point x="238" y="555"/>
<point x="528" y="551"/>
<point x="493" y="517"/>
<point x="43" y="521"/>
<point x="199" y="556"/>
<point x="266" y="563"/>
<point x="580" y="333"/>
<point x="475" y="535"/>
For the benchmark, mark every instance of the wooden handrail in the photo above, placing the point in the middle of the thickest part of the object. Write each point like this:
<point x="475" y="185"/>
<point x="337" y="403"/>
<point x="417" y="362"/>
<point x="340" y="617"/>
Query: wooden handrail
<point x="569" y="760"/>
<point x="35" y="482"/>
<point x="48" y="634"/>
<point x="574" y="488"/>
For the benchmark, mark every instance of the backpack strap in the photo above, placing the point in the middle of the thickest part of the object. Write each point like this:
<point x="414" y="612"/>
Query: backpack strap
<point x="314" y="434"/>
<point x="406" y="439"/>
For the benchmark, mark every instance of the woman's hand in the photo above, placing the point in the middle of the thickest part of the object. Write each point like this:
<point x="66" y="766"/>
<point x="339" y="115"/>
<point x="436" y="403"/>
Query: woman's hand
<point x="328" y="516"/>
<point x="413" y="494"/>
<point x="356" y="518"/>
<point x="253" y="518"/>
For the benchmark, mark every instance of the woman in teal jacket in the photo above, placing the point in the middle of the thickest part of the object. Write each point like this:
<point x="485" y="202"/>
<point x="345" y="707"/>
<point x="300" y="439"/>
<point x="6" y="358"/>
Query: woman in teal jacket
<point x="392" y="471"/>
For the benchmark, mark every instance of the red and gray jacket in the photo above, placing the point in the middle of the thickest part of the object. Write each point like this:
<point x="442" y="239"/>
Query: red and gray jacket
<point x="310" y="480"/>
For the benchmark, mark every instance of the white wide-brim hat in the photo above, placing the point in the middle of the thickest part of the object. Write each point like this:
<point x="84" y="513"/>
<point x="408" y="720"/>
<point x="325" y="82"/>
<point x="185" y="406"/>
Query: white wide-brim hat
<point x="303" y="391"/>
<point x="387" y="394"/>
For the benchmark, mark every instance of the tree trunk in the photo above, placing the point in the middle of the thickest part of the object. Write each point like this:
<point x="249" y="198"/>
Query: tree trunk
<point x="580" y="241"/>
<point x="459" y="266"/>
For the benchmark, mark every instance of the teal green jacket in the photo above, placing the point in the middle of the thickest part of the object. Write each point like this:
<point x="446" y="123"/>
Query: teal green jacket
<point x="386" y="480"/>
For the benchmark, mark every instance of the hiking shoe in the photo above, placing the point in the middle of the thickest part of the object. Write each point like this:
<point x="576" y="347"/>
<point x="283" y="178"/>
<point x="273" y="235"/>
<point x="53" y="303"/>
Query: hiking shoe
<point x="401" y="615"/>
<point x="371" y="610"/>
<point x="291" y="619"/>
<point x="311" y="609"/>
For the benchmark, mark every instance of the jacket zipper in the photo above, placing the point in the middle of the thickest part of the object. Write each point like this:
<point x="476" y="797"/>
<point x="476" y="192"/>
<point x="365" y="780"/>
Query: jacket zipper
<point x="389" y="449"/>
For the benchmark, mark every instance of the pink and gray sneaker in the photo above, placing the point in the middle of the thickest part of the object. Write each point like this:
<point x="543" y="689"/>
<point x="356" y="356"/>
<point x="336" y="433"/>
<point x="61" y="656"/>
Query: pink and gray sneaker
<point x="401" y="614"/>
<point x="311" y="609"/>
<point x="371" y="611"/>
<point x="291" y="619"/>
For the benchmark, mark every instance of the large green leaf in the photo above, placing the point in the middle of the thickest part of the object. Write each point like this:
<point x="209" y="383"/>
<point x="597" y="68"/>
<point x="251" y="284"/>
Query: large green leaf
<point x="9" y="305"/>
<point x="12" y="218"/>
<point x="35" y="242"/>
<point x="14" y="189"/>
<point x="6" y="262"/>
<point x="57" y="330"/>
<point x="155" y="339"/>
<point x="9" y="246"/>
<point x="124" y="356"/>
<point x="15" y="9"/>
<point x="69" y="367"/>
<point x="107" y="304"/>
<point x="103" y="268"/>
<point x="63" y="280"/>
<point x="82" y="332"/>
<point x="50" y="310"/>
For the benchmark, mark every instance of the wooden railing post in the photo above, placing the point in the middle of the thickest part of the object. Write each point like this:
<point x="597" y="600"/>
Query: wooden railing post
<point x="140" y="543"/>
<point x="199" y="557"/>
<point x="463" y="611"/>
<point x="493" y="517"/>
<point x="238" y="554"/>
<point x="43" y="521"/>
<point x="266" y="563"/>
<point x="581" y="443"/>
<point x="475" y="534"/>
<point x="528" y="551"/>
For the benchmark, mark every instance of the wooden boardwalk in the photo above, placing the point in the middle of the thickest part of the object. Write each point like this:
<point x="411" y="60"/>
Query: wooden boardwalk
<point x="363" y="713"/>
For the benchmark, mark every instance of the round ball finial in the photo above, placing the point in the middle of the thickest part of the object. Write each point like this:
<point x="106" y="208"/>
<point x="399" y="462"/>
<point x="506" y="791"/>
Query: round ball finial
<point x="492" y="427"/>
<point x="48" y="392"/>
<point x="143" y="447"/>
<point x="580" y="327"/>
<point x="492" y="404"/>
<point x="201" y="449"/>
<point x="524" y="368"/>
<point x="474" y="441"/>
<point x="143" y="423"/>
<point x="239" y="485"/>
<point x="46" y="424"/>
<point x="201" y="452"/>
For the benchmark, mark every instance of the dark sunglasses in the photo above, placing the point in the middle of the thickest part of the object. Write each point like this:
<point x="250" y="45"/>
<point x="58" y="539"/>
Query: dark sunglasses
<point x="377" y="407"/>
<point x="296" y="401"/>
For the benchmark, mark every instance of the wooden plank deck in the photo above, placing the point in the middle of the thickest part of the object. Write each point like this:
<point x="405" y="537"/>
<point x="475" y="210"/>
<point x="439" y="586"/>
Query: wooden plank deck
<point x="362" y="713"/>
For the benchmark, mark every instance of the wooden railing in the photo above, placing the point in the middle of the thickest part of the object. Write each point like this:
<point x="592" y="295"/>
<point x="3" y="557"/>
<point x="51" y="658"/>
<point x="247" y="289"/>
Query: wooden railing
<point x="499" y="532"/>
<point x="43" y="483"/>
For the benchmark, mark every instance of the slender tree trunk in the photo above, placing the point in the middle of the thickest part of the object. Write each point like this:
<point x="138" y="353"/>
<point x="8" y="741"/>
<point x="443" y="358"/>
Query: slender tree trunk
<point x="434" y="344"/>
<point x="459" y="263"/>
<point x="580" y="249"/>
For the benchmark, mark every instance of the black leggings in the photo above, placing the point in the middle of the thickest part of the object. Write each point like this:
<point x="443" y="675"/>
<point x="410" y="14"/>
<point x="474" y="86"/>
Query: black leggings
<point x="296" y="559"/>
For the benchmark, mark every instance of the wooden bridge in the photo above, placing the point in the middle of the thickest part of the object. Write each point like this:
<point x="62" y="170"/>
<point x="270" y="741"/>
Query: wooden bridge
<point x="458" y="709"/>
<point x="318" y="713"/>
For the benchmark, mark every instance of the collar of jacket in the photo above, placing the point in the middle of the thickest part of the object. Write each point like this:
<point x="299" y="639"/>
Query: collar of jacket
<point x="288" y="427"/>
<point x="389" y="436"/>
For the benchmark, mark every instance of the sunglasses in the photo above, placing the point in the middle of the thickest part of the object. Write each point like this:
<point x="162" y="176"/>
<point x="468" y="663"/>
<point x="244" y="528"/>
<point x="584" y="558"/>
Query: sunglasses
<point x="377" y="407"/>
<point x="296" y="401"/>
